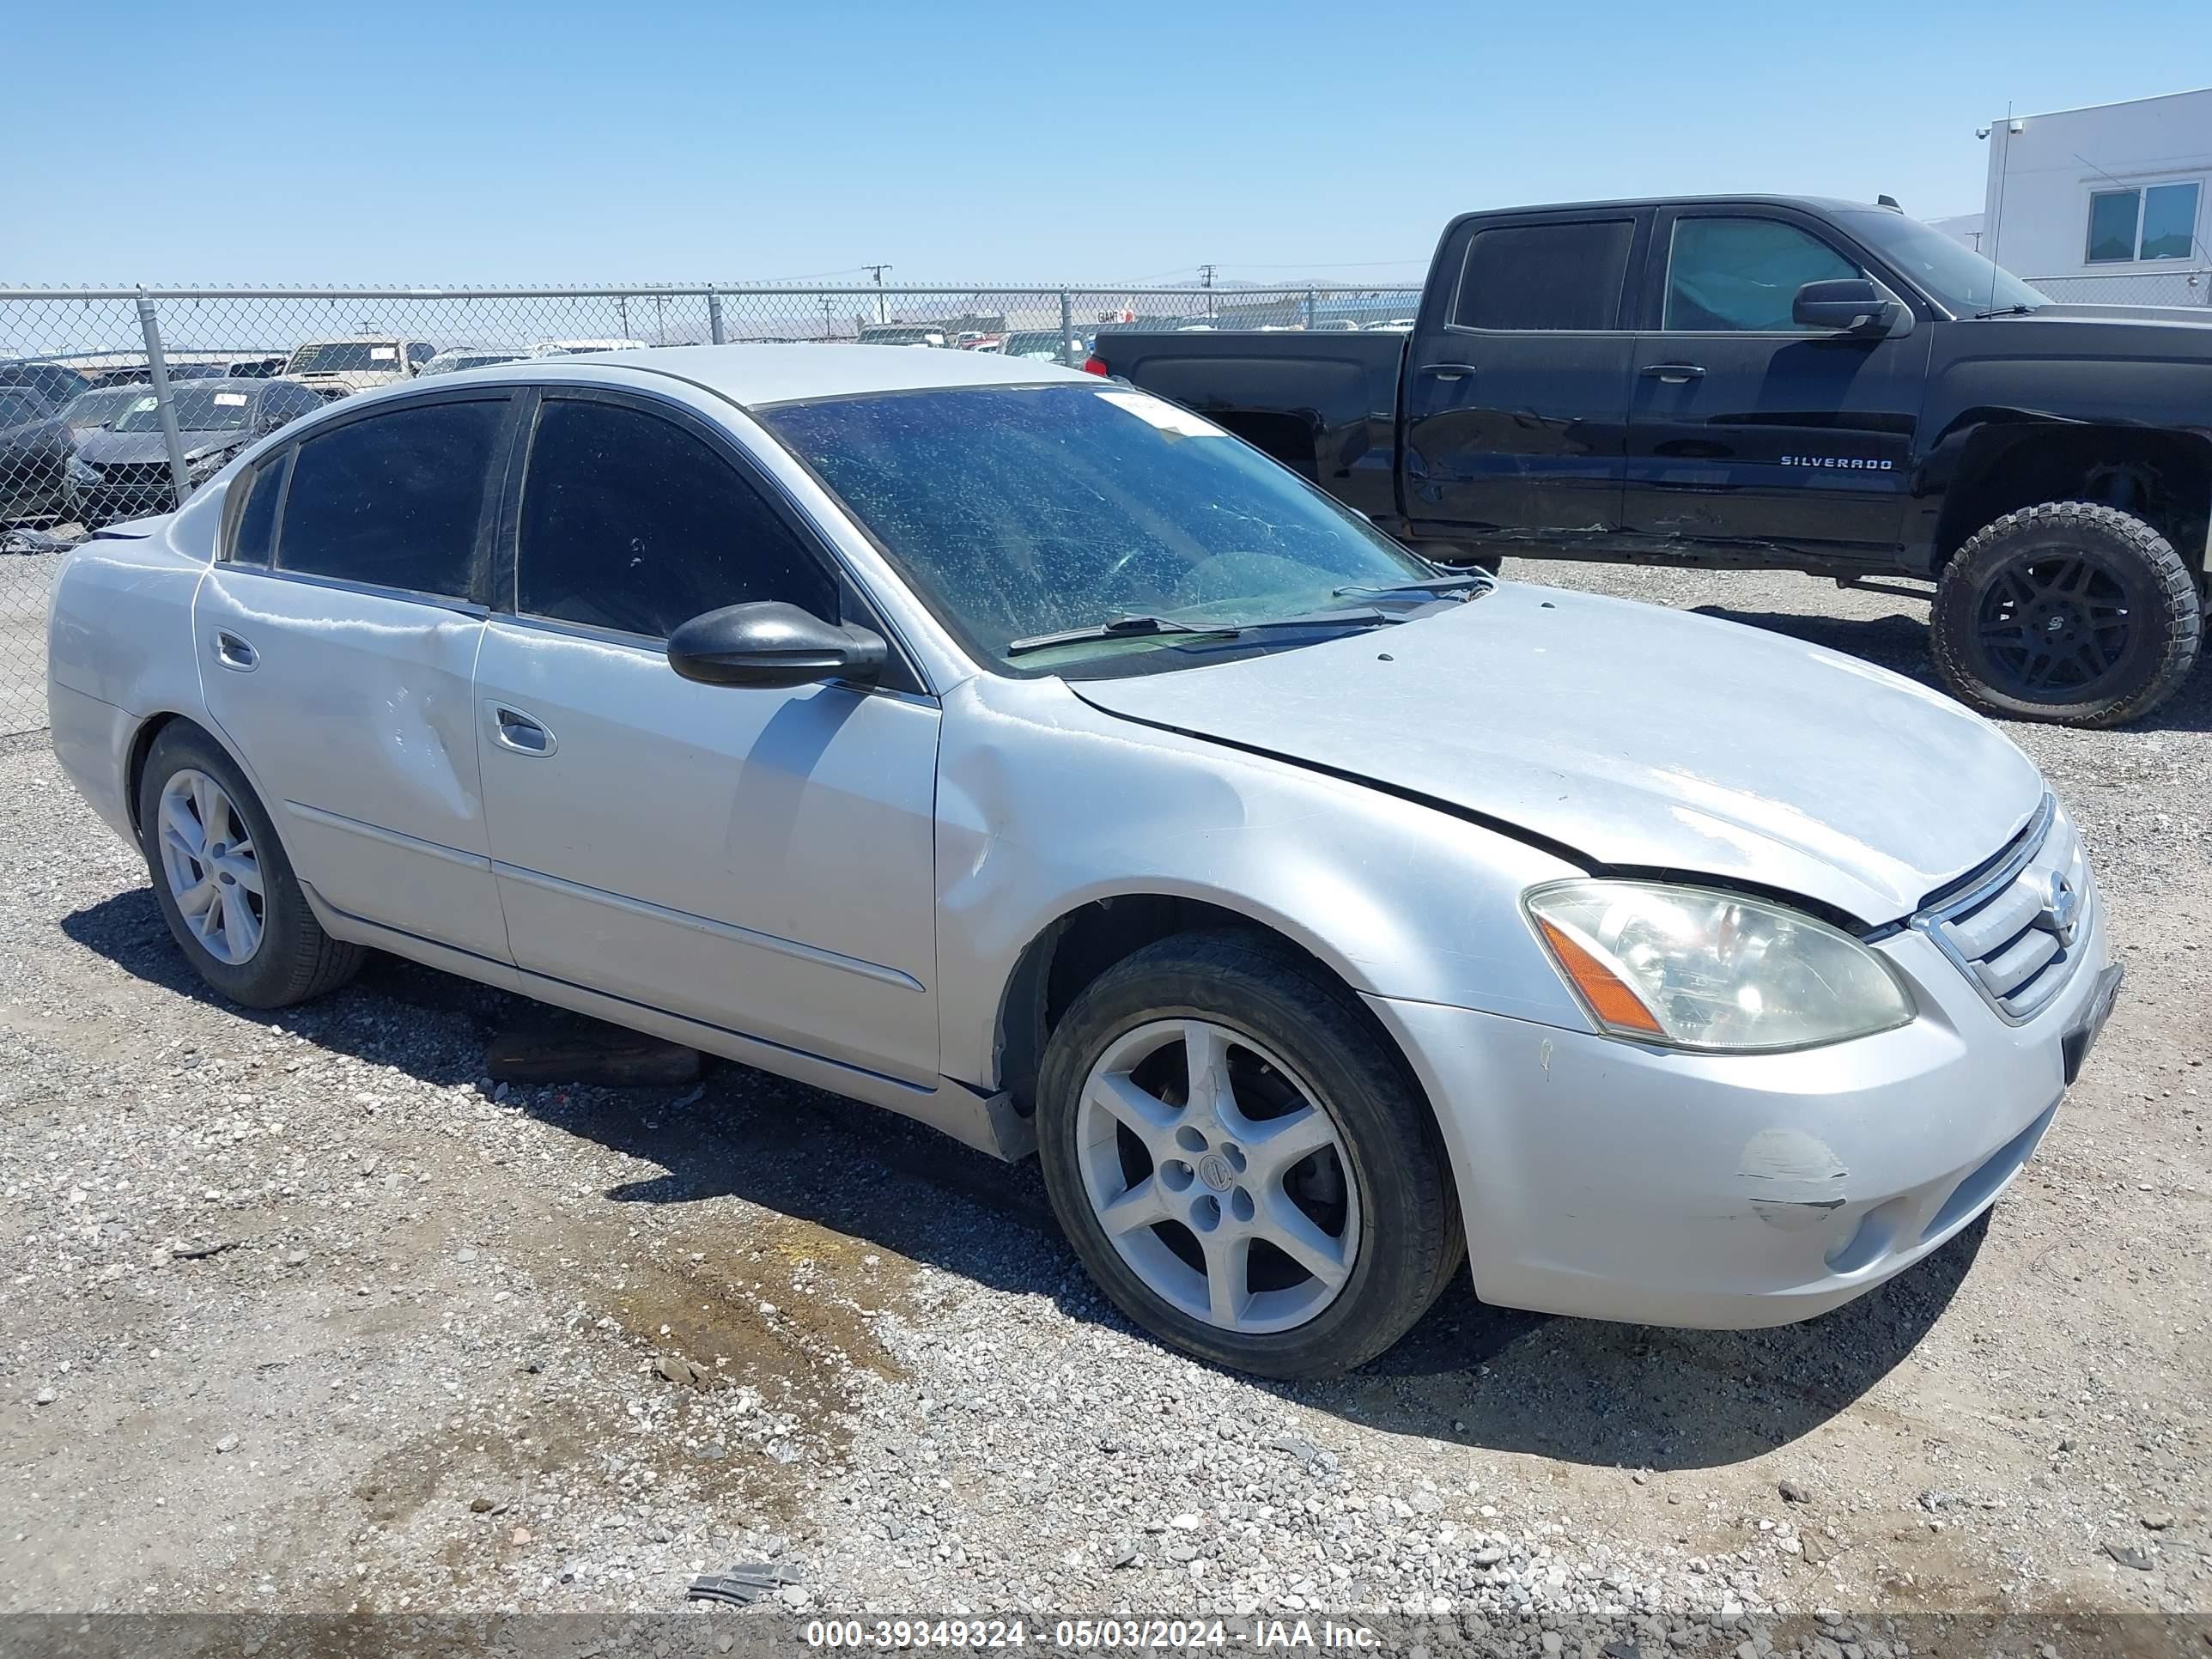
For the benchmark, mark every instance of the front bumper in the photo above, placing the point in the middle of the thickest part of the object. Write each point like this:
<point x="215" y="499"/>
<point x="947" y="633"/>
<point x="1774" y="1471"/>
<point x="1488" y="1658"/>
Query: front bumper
<point x="1614" y="1180"/>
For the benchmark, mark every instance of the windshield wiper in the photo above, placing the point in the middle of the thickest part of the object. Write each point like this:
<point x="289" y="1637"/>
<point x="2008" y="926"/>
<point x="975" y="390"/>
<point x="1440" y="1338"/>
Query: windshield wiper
<point x="1118" y="628"/>
<point x="2006" y="311"/>
<point x="1466" y="579"/>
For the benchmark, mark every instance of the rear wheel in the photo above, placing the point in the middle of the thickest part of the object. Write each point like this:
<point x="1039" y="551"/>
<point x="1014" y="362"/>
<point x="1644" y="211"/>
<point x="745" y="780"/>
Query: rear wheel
<point x="223" y="881"/>
<point x="2069" y="611"/>
<point x="1241" y="1161"/>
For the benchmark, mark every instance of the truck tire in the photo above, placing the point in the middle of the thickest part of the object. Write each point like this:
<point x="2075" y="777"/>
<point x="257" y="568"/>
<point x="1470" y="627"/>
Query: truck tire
<point x="1292" y="1216"/>
<point x="223" y="881"/>
<point x="2068" y="611"/>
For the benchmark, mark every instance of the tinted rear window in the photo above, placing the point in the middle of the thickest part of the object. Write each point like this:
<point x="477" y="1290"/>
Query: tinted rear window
<point x="393" y="500"/>
<point x="1545" y="276"/>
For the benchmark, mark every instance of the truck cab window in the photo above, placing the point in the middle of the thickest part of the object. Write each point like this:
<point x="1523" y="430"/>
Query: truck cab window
<point x="1743" y="275"/>
<point x="1547" y="276"/>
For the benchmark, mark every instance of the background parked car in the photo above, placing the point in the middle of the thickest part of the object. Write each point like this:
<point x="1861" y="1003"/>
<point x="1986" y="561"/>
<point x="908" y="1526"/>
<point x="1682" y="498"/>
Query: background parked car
<point x="90" y="410"/>
<point x="56" y="382"/>
<point x="1039" y="345"/>
<point x="128" y="461"/>
<point x="359" y="362"/>
<point x="35" y="451"/>
<point x="574" y="348"/>
<point x="260" y="367"/>
<point x="454" y="358"/>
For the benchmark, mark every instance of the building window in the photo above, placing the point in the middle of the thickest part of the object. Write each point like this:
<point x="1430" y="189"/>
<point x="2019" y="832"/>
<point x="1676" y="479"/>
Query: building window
<point x="2158" y="223"/>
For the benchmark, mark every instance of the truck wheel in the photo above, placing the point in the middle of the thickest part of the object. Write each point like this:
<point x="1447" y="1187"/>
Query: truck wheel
<point x="223" y="881"/>
<point x="2068" y="611"/>
<point x="1241" y="1161"/>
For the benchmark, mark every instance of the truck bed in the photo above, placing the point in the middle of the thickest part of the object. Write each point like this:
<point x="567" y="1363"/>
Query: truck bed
<point x="1322" y="403"/>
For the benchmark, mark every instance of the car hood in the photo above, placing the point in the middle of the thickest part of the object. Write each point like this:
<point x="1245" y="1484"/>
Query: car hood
<point x="1638" y="737"/>
<point x="102" y="447"/>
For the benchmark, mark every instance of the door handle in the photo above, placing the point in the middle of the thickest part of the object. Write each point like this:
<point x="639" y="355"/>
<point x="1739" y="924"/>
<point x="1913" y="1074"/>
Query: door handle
<point x="512" y="729"/>
<point x="1448" y="371"/>
<point x="1675" y="373"/>
<point x="235" y="654"/>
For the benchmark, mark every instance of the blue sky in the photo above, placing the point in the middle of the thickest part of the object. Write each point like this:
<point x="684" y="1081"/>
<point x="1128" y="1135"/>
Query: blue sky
<point x="973" y="139"/>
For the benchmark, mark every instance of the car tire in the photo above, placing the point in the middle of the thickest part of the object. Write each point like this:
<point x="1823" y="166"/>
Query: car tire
<point x="2069" y="611"/>
<point x="1294" y="1038"/>
<point x="290" y="958"/>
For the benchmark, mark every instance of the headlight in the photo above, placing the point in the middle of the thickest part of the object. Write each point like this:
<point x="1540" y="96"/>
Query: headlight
<point x="1698" y="969"/>
<point x="207" y="466"/>
<point x="82" y="473"/>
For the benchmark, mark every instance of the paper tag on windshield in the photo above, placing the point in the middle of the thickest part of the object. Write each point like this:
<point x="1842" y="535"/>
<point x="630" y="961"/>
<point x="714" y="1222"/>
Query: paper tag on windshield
<point x="384" y="354"/>
<point x="230" y="400"/>
<point x="1164" y="415"/>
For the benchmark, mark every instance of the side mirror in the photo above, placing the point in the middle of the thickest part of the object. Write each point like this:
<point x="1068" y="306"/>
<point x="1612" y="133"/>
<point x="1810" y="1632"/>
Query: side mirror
<point x="772" y="644"/>
<point x="1849" y="305"/>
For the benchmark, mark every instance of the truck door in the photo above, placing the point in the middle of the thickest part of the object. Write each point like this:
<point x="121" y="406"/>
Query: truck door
<point x="1517" y="386"/>
<point x="1749" y="428"/>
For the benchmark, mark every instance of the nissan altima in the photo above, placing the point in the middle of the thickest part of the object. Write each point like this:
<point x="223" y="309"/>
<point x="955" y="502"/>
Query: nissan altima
<point x="1024" y="754"/>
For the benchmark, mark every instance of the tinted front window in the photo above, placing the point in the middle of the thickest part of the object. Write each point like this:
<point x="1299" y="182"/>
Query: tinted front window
<point x="1744" y="274"/>
<point x="1545" y="276"/>
<point x="1017" y="512"/>
<point x="631" y="522"/>
<point x="393" y="500"/>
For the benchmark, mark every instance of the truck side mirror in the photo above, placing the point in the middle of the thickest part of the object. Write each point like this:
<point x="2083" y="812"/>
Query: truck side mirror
<point x="1849" y="305"/>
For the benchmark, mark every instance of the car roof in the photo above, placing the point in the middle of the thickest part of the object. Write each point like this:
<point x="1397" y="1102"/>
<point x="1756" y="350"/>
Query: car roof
<point x="751" y="375"/>
<point x="1818" y="203"/>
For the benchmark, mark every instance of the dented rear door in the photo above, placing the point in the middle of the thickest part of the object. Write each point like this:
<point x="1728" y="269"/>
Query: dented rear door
<point x="339" y="661"/>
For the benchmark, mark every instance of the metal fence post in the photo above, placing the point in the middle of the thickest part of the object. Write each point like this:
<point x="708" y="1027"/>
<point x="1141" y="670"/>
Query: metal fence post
<point x="714" y="318"/>
<point x="1066" y="330"/>
<point x="1309" y="308"/>
<point x="157" y="370"/>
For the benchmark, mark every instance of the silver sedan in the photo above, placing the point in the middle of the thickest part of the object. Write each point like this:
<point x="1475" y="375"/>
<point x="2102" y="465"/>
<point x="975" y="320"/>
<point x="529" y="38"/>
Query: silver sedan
<point x="1021" y="753"/>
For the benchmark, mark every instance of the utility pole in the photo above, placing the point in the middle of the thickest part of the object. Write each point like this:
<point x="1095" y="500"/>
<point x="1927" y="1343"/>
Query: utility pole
<point x="877" y="271"/>
<point x="1206" y="275"/>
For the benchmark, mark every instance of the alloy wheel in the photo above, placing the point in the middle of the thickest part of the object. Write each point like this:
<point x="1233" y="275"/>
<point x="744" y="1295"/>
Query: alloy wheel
<point x="2050" y="626"/>
<point x="208" y="859"/>
<point x="1220" y="1177"/>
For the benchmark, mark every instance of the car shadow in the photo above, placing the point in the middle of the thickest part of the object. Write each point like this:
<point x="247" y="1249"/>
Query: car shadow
<point x="1899" y="643"/>
<point x="1577" y="1390"/>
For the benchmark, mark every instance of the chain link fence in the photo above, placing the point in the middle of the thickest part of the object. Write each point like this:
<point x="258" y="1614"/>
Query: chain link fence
<point x="2131" y="288"/>
<point x="115" y="402"/>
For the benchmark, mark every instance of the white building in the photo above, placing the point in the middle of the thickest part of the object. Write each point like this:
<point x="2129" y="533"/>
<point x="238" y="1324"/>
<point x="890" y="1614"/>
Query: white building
<point x="2111" y="204"/>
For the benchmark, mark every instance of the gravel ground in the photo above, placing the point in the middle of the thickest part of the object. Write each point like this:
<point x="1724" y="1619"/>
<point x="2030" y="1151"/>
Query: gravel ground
<point x="302" y="1314"/>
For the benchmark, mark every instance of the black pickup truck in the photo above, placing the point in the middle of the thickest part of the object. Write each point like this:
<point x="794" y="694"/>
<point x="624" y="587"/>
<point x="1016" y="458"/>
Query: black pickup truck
<point x="1774" y="382"/>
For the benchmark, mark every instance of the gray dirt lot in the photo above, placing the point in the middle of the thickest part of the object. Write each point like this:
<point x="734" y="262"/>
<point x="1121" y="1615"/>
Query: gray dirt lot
<point x="419" y="1369"/>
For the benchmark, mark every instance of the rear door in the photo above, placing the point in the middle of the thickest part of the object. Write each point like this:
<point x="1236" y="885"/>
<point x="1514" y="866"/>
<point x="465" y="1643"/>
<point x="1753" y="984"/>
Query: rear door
<point x="337" y="642"/>
<point x="759" y="860"/>
<point x="1515" y="395"/>
<point x="1748" y="429"/>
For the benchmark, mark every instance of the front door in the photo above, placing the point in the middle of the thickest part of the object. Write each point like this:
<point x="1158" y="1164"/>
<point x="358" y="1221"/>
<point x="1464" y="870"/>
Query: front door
<point x="1749" y="428"/>
<point x="761" y="860"/>
<point x="1516" y="394"/>
<point x="338" y="641"/>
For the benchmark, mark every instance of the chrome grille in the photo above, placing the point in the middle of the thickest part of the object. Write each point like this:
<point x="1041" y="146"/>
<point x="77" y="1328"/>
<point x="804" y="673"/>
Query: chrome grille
<point x="2019" y="929"/>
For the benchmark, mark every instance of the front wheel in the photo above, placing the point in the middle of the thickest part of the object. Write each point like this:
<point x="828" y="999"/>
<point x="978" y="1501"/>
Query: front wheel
<point x="1241" y="1161"/>
<point x="2071" y="612"/>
